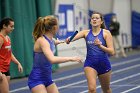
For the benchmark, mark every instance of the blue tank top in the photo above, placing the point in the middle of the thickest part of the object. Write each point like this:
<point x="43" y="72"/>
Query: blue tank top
<point x="40" y="60"/>
<point x="94" y="50"/>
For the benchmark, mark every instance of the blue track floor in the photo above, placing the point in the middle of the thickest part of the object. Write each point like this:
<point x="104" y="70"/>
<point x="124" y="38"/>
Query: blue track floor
<point x="125" y="78"/>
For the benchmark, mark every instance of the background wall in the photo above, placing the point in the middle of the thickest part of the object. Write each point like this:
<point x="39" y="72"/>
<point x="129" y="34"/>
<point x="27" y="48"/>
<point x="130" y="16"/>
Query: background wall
<point x="135" y="23"/>
<point x="77" y="20"/>
<point x="122" y="8"/>
<point x="102" y="6"/>
<point x="135" y="5"/>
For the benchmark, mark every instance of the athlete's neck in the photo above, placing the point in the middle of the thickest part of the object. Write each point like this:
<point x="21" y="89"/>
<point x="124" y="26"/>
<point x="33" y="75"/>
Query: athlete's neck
<point x="2" y="32"/>
<point x="96" y="30"/>
<point x="49" y="35"/>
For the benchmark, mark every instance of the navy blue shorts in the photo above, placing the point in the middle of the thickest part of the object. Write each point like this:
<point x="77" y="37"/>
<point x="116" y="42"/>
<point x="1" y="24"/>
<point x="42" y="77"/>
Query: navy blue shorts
<point x="33" y="83"/>
<point x="100" y="63"/>
<point x="37" y="77"/>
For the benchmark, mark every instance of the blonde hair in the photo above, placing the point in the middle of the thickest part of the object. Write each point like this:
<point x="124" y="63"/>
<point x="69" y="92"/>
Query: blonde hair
<point x="44" y="24"/>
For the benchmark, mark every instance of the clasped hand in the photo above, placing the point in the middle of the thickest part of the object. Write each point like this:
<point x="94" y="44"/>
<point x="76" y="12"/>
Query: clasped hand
<point x="97" y="42"/>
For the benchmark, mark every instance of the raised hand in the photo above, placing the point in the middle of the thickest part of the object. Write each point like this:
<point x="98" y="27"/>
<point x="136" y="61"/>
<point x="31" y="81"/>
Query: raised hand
<point x="57" y="41"/>
<point x="97" y="42"/>
<point x="77" y="59"/>
<point x="67" y="40"/>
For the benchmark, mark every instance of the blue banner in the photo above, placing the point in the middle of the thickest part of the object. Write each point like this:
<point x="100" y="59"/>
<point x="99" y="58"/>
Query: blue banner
<point x="66" y="21"/>
<point x="135" y="29"/>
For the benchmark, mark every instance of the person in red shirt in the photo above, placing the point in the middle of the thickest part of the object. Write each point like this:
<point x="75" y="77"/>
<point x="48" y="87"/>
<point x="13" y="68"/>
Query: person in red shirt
<point x="6" y="55"/>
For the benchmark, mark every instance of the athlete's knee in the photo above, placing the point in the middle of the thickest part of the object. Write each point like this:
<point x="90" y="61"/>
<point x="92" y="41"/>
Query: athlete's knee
<point x="107" y="90"/>
<point x="0" y="79"/>
<point x="4" y="91"/>
<point x="92" y="89"/>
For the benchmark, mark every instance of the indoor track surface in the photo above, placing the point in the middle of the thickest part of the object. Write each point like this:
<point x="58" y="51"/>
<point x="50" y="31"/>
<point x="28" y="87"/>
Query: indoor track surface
<point x="125" y="78"/>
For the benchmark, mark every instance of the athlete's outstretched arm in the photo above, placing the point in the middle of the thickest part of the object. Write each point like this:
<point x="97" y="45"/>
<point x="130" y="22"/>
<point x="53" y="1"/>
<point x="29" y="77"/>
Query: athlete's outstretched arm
<point x="57" y="41"/>
<point x="81" y="34"/>
<point x="45" y="47"/>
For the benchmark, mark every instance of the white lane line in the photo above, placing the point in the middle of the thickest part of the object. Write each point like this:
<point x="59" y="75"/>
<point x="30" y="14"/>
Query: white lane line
<point x="78" y="86"/>
<point x="130" y="85"/>
<point x="130" y="89"/>
<point x="83" y="81"/>
<point x="19" y="89"/>
<point x="81" y="73"/>
<point x="127" y="68"/>
<point x="70" y="76"/>
<point x="126" y="62"/>
<point x="131" y="76"/>
<point x="117" y="71"/>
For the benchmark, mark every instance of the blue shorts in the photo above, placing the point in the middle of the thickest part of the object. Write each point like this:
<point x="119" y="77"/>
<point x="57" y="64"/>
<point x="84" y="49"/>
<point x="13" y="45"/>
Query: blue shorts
<point x="38" y="77"/>
<point x="100" y="63"/>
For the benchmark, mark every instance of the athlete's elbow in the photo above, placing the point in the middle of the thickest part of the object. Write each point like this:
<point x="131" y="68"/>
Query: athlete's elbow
<point x="112" y="52"/>
<point x="52" y="60"/>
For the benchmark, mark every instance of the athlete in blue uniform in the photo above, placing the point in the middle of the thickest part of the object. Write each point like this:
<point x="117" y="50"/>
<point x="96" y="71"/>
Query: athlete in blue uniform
<point x="99" y="45"/>
<point x="40" y="78"/>
<point x="96" y="58"/>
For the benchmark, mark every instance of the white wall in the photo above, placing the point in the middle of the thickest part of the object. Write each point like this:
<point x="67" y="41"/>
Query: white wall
<point x="121" y="7"/>
<point x="136" y="5"/>
<point x="123" y="10"/>
<point x="102" y="6"/>
<point x="78" y="47"/>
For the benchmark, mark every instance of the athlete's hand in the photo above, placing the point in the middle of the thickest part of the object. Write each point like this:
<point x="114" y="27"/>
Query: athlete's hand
<point x="97" y="42"/>
<point x="77" y="59"/>
<point x="20" y="69"/>
<point x="57" y="41"/>
<point x="67" y="40"/>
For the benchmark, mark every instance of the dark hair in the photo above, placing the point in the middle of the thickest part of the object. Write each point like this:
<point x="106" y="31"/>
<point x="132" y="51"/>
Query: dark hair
<point x="5" y="21"/>
<point x="103" y="26"/>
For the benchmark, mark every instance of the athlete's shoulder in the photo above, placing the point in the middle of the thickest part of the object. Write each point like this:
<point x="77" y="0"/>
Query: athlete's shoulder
<point x="85" y="32"/>
<point x="7" y="36"/>
<point x="1" y="36"/>
<point x="41" y="43"/>
<point x="40" y="39"/>
<point x="1" y="41"/>
<point x="105" y="31"/>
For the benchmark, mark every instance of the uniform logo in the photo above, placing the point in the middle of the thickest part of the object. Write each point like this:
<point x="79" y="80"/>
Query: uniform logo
<point x="8" y="47"/>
